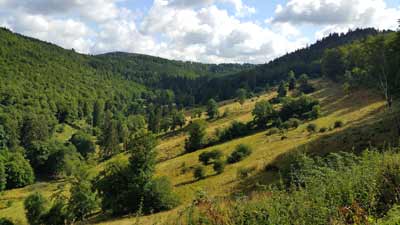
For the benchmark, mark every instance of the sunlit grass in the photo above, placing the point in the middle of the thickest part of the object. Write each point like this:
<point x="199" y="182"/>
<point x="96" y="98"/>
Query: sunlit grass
<point x="354" y="109"/>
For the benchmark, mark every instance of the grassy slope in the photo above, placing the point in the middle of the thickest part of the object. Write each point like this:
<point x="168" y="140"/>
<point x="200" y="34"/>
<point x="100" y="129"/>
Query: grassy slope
<point x="360" y="108"/>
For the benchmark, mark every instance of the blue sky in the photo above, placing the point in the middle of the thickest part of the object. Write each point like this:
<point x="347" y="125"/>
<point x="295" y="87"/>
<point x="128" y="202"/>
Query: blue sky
<point x="212" y="31"/>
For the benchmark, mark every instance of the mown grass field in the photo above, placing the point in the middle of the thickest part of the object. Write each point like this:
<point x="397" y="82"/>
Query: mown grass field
<point x="359" y="111"/>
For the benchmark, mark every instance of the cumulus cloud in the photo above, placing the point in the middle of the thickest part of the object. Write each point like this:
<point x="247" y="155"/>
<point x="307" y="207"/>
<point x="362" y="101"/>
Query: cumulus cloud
<point x="68" y="33"/>
<point x="240" y="8"/>
<point x="96" y="10"/>
<point x="197" y="30"/>
<point x="211" y="34"/>
<point x="338" y="15"/>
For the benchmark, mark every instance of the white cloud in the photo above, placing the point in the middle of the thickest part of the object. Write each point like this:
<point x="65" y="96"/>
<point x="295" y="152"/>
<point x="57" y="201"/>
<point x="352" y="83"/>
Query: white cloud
<point x="338" y="15"/>
<point x="197" y="30"/>
<point x="211" y="34"/>
<point x="95" y="10"/>
<point x="69" y="33"/>
<point x="240" y="8"/>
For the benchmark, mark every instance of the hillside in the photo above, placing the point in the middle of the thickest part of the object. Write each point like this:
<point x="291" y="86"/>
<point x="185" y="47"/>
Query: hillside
<point x="359" y="120"/>
<point x="126" y="139"/>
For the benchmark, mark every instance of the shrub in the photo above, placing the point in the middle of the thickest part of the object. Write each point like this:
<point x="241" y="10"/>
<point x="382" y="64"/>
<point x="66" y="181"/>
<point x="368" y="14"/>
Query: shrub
<point x="245" y="172"/>
<point x="83" y="200"/>
<point x="263" y="112"/>
<point x="199" y="172"/>
<point x="160" y="196"/>
<point x="205" y="157"/>
<point x="197" y="133"/>
<point x="219" y="166"/>
<point x="291" y="123"/>
<point x="35" y="207"/>
<point x="323" y="129"/>
<point x="303" y="107"/>
<point x="295" y="123"/>
<point x="5" y="221"/>
<point x="51" y="158"/>
<point x="83" y="143"/>
<point x="273" y="131"/>
<point x="315" y="112"/>
<point x="241" y="151"/>
<point x="338" y="124"/>
<point x="312" y="127"/>
<point x="235" y="130"/>
<point x="19" y="172"/>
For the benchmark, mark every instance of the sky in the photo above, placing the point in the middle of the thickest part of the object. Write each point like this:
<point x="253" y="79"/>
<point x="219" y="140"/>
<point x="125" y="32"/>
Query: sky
<point x="209" y="31"/>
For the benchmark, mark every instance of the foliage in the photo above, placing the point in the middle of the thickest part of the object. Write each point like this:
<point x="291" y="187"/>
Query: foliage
<point x="273" y="130"/>
<point x="312" y="127"/>
<point x="212" y="109"/>
<point x="205" y="157"/>
<point x="219" y="166"/>
<point x="282" y="91"/>
<point x="199" y="172"/>
<point x="83" y="200"/>
<point x="241" y="95"/>
<point x="19" y="172"/>
<point x="291" y="80"/>
<point x="35" y="207"/>
<point x="305" y="87"/>
<point x="241" y="151"/>
<point x="126" y="188"/>
<point x="263" y="112"/>
<point x="244" y="172"/>
<point x="340" y="188"/>
<point x="5" y="221"/>
<point x="197" y="133"/>
<point x="338" y="124"/>
<point x="235" y="130"/>
<point x="333" y="65"/>
<point x="301" y="107"/>
<point x="83" y="143"/>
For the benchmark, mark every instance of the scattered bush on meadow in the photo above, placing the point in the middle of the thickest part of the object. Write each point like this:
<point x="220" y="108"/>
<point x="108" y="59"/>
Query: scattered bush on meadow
<point x="219" y="166"/>
<point x="244" y="172"/>
<point x="338" y="124"/>
<point x="199" y="172"/>
<point x="241" y="151"/>
<point x="206" y="157"/>
<point x="312" y="127"/>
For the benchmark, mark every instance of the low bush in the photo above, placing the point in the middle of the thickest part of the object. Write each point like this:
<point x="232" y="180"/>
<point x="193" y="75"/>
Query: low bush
<point x="235" y="130"/>
<point x="245" y="172"/>
<point x="273" y="131"/>
<point x="5" y="221"/>
<point x="241" y="151"/>
<point x="291" y="123"/>
<point x="199" y="172"/>
<point x="323" y="129"/>
<point x="338" y="124"/>
<point x="206" y="157"/>
<point x="340" y="188"/>
<point x="312" y="128"/>
<point x="219" y="166"/>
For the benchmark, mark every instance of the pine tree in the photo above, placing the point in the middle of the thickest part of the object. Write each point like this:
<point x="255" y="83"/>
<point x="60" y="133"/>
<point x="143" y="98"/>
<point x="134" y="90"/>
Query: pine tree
<point x="292" y="80"/>
<point x="98" y="113"/>
<point x="282" y="91"/>
<point x="109" y="138"/>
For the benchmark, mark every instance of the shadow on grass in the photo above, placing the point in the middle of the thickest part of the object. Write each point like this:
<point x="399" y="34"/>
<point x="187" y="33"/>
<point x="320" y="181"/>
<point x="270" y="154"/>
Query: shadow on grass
<point x="194" y="181"/>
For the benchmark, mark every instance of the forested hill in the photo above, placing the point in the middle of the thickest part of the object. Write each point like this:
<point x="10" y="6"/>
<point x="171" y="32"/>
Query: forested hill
<point x="303" y="61"/>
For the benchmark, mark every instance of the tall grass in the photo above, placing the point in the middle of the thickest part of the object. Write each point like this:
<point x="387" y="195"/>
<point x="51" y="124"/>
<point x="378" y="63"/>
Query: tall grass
<point x="341" y="188"/>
